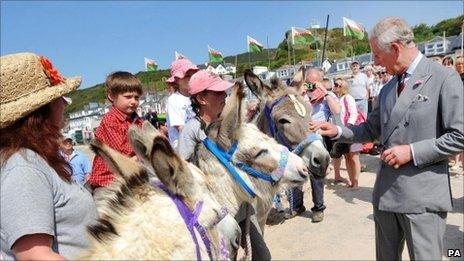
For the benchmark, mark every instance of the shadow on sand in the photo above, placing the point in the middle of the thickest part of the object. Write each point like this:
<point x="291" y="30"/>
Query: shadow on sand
<point x="348" y="194"/>
<point x="277" y="218"/>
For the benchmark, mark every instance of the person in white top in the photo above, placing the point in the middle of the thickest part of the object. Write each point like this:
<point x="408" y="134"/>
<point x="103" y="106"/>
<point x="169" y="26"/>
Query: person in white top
<point x="348" y="115"/>
<point x="178" y="108"/>
<point x="369" y="72"/>
<point x="359" y="89"/>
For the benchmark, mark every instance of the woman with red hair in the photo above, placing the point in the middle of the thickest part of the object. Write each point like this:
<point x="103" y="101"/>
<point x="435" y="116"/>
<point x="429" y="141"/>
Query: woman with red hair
<point x="44" y="212"/>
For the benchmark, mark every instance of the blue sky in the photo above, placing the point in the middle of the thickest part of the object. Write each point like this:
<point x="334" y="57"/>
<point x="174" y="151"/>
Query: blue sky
<point x="94" y="38"/>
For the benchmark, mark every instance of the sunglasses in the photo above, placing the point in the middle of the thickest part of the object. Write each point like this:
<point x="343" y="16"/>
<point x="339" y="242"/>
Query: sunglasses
<point x="310" y="86"/>
<point x="336" y="85"/>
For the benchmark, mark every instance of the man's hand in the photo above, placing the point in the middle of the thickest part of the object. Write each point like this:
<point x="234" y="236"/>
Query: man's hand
<point x="397" y="155"/>
<point x="324" y="128"/>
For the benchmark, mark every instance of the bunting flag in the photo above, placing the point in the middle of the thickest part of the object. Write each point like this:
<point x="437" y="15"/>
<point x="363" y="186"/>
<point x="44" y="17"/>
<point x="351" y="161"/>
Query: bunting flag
<point x="254" y="46"/>
<point x="214" y="56"/>
<point x="302" y="36"/>
<point x="353" y="29"/>
<point x="150" y="65"/>
<point x="179" y="55"/>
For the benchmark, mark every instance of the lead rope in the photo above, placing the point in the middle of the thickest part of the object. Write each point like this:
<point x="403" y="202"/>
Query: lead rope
<point x="289" y="193"/>
<point x="248" y="249"/>
<point x="225" y="255"/>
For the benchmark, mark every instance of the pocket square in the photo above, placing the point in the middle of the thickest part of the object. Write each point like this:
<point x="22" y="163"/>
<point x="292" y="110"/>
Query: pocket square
<point x="421" y="98"/>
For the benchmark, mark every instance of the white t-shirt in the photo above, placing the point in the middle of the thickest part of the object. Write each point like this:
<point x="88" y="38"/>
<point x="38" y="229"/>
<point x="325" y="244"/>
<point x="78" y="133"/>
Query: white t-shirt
<point x="359" y="86"/>
<point x="375" y="88"/>
<point x="178" y="112"/>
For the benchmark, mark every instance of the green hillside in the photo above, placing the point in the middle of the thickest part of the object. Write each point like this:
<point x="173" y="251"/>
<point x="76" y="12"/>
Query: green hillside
<point x="338" y="47"/>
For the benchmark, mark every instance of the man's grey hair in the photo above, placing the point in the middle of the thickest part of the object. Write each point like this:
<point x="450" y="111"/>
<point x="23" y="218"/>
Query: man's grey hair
<point x="317" y="71"/>
<point x="390" y="30"/>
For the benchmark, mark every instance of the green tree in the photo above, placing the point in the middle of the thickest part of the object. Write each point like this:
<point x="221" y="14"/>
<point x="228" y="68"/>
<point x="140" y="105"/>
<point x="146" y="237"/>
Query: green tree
<point x="422" y="32"/>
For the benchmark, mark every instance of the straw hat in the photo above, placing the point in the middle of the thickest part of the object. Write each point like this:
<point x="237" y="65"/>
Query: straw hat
<point x="29" y="81"/>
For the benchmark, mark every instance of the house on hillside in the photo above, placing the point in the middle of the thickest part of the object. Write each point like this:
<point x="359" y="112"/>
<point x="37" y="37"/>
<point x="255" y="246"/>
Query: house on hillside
<point x="343" y="66"/>
<point x="230" y="68"/>
<point x="154" y="101"/>
<point x="441" y="47"/>
<point x="87" y="119"/>
<point x="285" y="72"/>
<point x="220" y="69"/>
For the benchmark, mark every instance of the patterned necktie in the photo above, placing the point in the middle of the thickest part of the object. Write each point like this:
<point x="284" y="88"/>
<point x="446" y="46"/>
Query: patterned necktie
<point x="401" y="84"/>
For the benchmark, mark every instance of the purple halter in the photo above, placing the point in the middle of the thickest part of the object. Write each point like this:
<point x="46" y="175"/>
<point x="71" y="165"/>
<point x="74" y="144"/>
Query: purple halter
<point x="191" y="220"/>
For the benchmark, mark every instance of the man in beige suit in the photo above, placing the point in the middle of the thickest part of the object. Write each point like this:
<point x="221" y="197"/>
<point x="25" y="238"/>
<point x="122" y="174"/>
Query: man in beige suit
<point x="419" y="123"/>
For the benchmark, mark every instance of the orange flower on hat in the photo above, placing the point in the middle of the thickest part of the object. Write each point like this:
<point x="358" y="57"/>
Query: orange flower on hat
<point x="52" y="73"/>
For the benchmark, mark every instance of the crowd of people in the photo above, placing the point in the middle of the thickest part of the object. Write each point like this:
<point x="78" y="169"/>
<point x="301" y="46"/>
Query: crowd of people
<point x="46" y="205"/>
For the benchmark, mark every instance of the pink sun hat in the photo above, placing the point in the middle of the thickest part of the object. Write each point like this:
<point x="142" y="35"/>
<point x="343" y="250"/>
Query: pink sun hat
<point x="179" y="68"/>
<point x="203" y="80"/>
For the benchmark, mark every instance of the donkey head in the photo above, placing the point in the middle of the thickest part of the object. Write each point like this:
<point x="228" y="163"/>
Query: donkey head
<point x="254" y="148"/>
<point x="284" y="115"/>
<point x="185" y="180"/>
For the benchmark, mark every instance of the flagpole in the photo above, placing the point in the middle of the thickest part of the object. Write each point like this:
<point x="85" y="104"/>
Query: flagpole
<point x="352" y="46"/>
<point x="462" y="39"/>
<point x="209" y="55"/>
<point x="315" y="25"/>
<point x="325" y="39"/>
<point x="249" y="60"/>
<point x="444" y="41"/>
<point x="235" y="74"/>
<point x="293" y="52"/>
<point x="268" y="57"/>
<point x="293" y="49"/>
<point x="288" y="49"/>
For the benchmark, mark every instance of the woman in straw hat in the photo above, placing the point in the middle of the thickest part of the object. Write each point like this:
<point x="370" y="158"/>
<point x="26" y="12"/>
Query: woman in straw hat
<point x="44" y="212"/>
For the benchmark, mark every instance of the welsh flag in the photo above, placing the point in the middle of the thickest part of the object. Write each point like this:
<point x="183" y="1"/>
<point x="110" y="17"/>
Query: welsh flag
<point x="179" y="55"/>
<point x="353" y="29"/>
<point x="214" y="56"/>
<point x="254" y="46"/>
<point x="150" y="65"/>
<point x="301" y="36"/>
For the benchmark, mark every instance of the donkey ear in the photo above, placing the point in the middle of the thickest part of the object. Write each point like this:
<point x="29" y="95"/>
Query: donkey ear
<point x="140" y="141"/>
<point x="299" y="78"/>
<point x="170" y="168"/>
<point x="232" y="116"/>
<point x="117" y="162"/>
<point x="257" y="87"/>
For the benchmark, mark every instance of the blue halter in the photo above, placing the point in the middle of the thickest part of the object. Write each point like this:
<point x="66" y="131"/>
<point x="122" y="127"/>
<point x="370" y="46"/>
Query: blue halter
<point x="226" y="159"/>
<point x="281" y="139"/>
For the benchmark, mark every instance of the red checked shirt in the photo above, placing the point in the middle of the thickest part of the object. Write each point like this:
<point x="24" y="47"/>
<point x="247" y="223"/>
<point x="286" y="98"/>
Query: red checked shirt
<point x="113" y="131"/>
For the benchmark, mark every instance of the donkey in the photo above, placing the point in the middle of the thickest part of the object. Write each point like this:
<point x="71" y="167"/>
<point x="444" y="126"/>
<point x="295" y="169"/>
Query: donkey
<point x="142" y="221"/>
<point x="283" y="114"/>
<point x="277" y="168"/>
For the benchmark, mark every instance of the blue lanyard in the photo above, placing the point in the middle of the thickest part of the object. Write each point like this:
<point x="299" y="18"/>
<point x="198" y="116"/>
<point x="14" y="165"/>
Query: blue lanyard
<point x="226" y="160"/>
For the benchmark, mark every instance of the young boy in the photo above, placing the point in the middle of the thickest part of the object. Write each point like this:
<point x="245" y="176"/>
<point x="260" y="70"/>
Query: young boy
<point x="178" y="108"/>
<point x="123" y="90"/>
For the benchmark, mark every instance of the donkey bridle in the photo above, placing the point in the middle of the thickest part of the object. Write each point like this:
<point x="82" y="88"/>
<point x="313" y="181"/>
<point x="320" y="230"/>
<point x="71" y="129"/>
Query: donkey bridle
<point x="226" y="159"/>
<point x="281" y="139"/>
<point x="191" y="220"/>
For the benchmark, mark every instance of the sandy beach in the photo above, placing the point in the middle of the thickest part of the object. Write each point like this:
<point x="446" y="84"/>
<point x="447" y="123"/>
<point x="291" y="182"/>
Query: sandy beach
<point x="347" y="232"/>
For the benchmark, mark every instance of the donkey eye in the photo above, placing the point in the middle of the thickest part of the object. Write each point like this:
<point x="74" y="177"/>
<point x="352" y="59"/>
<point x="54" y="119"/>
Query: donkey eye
<point x="283" y="121"/>
<point x="261" y="152"/>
